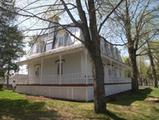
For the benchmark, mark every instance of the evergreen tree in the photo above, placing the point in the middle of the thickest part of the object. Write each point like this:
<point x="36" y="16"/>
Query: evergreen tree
<point x="10" y="39"/>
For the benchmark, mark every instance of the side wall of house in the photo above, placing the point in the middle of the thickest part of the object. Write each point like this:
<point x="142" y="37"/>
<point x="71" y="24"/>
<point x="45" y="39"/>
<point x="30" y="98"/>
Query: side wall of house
<point x="115" y="80"/>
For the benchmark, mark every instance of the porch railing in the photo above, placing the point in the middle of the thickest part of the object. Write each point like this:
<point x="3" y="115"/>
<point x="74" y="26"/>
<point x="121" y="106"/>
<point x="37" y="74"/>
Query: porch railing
<point x="71" y="78"/>
<point x="19" y="79"/>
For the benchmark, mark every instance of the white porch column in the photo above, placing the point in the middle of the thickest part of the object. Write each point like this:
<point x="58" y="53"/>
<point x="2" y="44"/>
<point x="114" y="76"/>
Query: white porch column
<point x="29" y="73"/>
<point x="86" y="66"/>
<point x="108" y="66"/>
<point x="41" y="71"/>
<point x="111" y="72"/>
<point x="117" y="72"/>
<point x="86" y="72"/>
<point x="28" y="68"/>
<point x="119" y="77"/>
<point x="60" y="69"/>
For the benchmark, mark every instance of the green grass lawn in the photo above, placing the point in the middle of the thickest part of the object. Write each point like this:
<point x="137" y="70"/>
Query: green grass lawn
<point x="143" y="105"/>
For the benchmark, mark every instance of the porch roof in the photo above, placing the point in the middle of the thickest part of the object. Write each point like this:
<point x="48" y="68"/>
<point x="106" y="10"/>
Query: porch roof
<point x="56" y="52"/>
<point x="116" y="61"/>
<point x="65" y="50"/>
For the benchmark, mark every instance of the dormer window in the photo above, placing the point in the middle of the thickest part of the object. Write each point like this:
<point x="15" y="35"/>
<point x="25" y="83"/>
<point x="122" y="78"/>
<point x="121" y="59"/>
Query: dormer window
<point x="35" y="48"/>
<point x="48" y="45"/>
<point x="61" y="41"/>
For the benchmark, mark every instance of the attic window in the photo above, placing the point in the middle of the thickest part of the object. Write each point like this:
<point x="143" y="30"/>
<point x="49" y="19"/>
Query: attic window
<point x="48" y="45"/>
<point x="34" y="49"/>
<point x="61" y="41"/>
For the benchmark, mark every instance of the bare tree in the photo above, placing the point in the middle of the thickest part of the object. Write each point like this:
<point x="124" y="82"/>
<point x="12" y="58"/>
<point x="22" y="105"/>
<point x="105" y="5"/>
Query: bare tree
<point x="131" y="19"/>
<point x="91" y="41"/>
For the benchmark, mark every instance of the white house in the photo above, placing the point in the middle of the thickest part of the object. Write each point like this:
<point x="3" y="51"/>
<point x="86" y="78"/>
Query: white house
<point x="59" y="66"/>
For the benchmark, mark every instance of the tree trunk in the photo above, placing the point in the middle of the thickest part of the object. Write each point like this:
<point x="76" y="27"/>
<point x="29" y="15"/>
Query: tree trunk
<point x="154" y="76"/>
<point x="98" y="75"/>
<point x="7" y="78"/>
<point x="131" y="48"/>
<point x="93" y="45"/>
<point x="134" y="67"/>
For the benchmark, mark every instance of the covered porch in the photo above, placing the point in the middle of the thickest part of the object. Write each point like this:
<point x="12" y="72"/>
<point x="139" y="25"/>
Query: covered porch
<point x="67" y="67"/>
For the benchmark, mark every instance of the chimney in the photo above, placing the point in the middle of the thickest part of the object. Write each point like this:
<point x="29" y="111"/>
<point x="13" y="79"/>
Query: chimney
<point x="53" y="25"/>
<point x="54" y="18"/>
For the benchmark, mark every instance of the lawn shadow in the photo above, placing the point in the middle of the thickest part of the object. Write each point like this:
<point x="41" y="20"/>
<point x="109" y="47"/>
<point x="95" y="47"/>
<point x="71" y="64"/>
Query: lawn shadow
<point x="156" y="109"/>
<point x="114" y="116"/>
<point x="129" y="97"/>
<point x="25" y="110"/>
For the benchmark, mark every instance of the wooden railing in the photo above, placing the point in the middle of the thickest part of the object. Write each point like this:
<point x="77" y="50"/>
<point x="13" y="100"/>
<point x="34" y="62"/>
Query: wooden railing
<point x="71" y="78"/>
<point x="19" y="79"/>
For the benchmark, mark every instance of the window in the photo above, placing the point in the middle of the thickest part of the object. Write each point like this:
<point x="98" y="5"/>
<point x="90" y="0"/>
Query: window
<point x="106" y="48"/>
<point x="64" y="40"/>
<point x="115" y="73"/>
<point x="48" y="45"/>
<point x="120" y="73"/>
<point x="61" y="41"/>
<point x="112" y="50"/>
<point x="71" y="39"/>
<point x="109" y="49"/>
<point x="67" y="39"/>
<point x="109" y="72"/>
<point x="58" y="66"/>
<point x="40" y="46"/>
<point x="34" y="50"/>
<point x="37" y="70"/>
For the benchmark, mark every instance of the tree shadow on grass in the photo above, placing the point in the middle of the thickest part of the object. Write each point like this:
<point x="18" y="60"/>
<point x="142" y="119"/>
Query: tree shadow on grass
<point x="25" y="110"/>
<point x="114" y="116"/>
<point x="128" y="98"/>
<point x="156" y="109"/>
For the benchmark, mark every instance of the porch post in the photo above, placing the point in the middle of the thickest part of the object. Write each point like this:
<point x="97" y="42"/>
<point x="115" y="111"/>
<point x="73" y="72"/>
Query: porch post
<point x="60" y="69"/>
<point x="28" y="70"/>
<point x="29" y="79"/>
<point x="86" y="69"/>
<point x="41" y="71"/>
<point x="117" y="71"/>
<point x="108" y="71"/>
<point x="111" y="71"/>
<point x="86" y="65"/>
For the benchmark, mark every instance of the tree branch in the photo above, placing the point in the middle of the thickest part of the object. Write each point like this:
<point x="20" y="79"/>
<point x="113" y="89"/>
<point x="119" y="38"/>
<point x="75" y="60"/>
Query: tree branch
<point x="102" y="23"/>
<point x="70" y="14"/>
